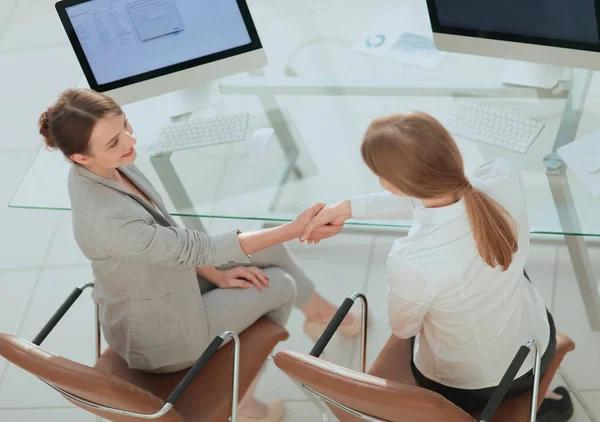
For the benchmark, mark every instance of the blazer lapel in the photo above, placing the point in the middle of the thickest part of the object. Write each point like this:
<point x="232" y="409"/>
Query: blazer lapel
<point x="165" y="218"/>
<point x="150" y="192"/>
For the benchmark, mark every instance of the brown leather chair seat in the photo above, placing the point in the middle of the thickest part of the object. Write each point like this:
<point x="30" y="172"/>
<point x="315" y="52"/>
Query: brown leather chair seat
<point x="390" y="393"/>
<point x="112" y="384"/>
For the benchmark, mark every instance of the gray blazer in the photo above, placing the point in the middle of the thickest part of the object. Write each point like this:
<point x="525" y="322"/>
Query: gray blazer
<point x="151" y="308"/>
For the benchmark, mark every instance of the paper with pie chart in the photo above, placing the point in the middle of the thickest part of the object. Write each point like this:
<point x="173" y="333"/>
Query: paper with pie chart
<point x="406" y="41"/>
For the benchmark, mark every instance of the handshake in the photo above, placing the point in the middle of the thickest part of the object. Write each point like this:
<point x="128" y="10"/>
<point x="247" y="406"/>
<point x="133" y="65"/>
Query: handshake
<point x="320" y="222"/>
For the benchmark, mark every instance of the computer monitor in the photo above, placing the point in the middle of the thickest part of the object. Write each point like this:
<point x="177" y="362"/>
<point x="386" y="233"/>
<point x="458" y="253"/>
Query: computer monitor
<point x="136" y="49"/>
<point x="550" y="32"/>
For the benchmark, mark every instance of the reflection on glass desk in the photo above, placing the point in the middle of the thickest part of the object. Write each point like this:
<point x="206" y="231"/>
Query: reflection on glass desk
<point x="319" y="117"/>
<point x="319" y="96"/>
<point x="324" y="134"/>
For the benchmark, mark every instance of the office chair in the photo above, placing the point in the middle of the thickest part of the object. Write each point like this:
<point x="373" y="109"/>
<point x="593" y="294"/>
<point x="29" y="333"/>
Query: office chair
<point x="207" y="392"/>
<point x="356" y="396"/>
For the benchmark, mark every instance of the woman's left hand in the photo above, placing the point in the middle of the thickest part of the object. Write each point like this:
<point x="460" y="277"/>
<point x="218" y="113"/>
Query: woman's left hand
<point x="242" y="277"/>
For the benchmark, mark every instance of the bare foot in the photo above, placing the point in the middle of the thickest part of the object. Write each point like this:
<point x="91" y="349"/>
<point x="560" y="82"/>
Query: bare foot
<point x="252" y="408"/>
<point x="319" y="310"/>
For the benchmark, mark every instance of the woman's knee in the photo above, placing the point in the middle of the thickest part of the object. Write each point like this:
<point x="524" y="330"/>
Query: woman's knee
<point x="281" y="283"/>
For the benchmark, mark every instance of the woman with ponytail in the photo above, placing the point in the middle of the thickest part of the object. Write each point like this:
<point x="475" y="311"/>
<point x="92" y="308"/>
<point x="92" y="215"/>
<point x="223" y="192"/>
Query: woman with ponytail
<point x="456" y="284"/>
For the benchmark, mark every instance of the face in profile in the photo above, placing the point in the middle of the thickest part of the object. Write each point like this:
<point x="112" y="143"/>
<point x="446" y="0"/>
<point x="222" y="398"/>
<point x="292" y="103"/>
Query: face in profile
<point x="111" y="145"/>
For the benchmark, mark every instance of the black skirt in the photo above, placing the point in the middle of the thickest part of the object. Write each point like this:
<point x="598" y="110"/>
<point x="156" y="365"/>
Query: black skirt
<point x="470" y="400"/>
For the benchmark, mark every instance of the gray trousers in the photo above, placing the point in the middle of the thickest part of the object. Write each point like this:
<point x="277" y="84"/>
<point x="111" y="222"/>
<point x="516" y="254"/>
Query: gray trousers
<point x="237" y="309"/>
<point x="277" y="256"/>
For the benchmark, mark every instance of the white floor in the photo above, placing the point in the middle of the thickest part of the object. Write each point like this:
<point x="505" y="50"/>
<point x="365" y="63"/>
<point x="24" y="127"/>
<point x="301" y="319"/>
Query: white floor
<point x="40" y="262"/>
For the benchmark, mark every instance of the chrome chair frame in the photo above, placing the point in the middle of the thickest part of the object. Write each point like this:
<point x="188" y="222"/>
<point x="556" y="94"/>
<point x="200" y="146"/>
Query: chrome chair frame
<point x="494" y="401"/>
<point x="324" y="339"/>
<point x="177" y="392"/>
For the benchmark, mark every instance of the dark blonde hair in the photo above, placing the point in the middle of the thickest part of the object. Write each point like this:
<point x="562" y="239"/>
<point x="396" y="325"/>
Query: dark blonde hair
<point x="417" y="155"/>
<point x="68" y="124"/>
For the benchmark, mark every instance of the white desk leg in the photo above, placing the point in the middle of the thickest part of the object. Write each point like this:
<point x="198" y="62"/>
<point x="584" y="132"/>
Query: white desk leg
<point x="563" y="200"/>
<point x="286" y="139"/>
<point x="172" y="183"/>
<point x="588" y="285"/>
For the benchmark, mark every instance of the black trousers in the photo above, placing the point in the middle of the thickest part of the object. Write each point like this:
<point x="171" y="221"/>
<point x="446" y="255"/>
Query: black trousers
<point x="477" y="399"/>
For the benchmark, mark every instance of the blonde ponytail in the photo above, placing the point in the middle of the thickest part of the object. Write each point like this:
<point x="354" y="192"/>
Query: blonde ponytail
<point x="418" y="156"/>
<point x="493" y="228"/>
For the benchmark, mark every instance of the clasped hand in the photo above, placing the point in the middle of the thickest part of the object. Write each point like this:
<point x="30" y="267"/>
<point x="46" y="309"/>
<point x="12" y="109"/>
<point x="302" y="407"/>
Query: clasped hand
<point x="312" y="225"/>
<point x="327" y="222"/>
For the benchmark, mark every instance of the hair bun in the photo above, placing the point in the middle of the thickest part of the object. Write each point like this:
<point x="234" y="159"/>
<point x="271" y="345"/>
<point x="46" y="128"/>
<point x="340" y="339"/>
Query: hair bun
<point x="44" y="126"/>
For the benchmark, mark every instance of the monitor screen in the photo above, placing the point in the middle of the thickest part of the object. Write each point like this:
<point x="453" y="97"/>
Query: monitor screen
<point x="125" y="40"/>
<point x="559" y="23"/>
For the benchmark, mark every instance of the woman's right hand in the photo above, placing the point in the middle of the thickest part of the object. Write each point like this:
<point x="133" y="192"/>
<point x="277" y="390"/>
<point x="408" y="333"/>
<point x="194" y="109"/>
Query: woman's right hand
<point x="327" y="223"/>
<point x="304" y="218"/>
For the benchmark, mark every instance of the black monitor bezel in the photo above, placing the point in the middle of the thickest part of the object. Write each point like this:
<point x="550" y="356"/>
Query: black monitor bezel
<point x="501" y="36"/>
<point x="62" y="5"/>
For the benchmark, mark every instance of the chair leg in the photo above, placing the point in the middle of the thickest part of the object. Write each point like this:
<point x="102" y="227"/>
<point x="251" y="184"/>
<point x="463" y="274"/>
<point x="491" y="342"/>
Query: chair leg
<point x="536" y="378"/>
<point x="235" y="396"/>
<point x="363" y="330"/>
<point x="315" y="400"/>
<point x="98" y="332"/>
<point x="326" y="337"/>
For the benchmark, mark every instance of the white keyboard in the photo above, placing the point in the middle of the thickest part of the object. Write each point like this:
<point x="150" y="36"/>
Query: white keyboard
<point x="493" y="127"/>
<point x="201" y="132"/>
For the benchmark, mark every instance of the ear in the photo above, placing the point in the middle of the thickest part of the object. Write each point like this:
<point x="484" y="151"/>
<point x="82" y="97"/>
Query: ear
<point x="80" y="159"/>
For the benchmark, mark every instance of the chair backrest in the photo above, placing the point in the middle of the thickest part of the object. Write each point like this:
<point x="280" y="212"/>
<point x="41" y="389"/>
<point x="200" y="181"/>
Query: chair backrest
<point x="398" y="402"/>
<point x="373" y="396"/>
<point x="82" y="381"/>
<point x="208" y="398"/>
<point x="516" y="409"/>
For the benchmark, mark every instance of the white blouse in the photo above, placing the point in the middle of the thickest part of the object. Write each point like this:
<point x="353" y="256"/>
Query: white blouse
<point x="468" y="318"/>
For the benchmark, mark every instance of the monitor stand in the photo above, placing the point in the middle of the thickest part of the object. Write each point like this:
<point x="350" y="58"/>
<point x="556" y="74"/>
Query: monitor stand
<point x="531" y="74"/>
<point x="188" y="100"/>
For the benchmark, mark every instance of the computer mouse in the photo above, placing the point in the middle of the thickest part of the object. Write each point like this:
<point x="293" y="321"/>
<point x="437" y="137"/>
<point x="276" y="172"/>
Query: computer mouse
<point x="593" y="168"/>
<point x="259" y="140"/>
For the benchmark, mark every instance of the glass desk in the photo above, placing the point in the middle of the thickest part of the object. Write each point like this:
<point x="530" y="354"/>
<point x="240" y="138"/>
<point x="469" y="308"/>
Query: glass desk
<point x="319" y="95"/>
